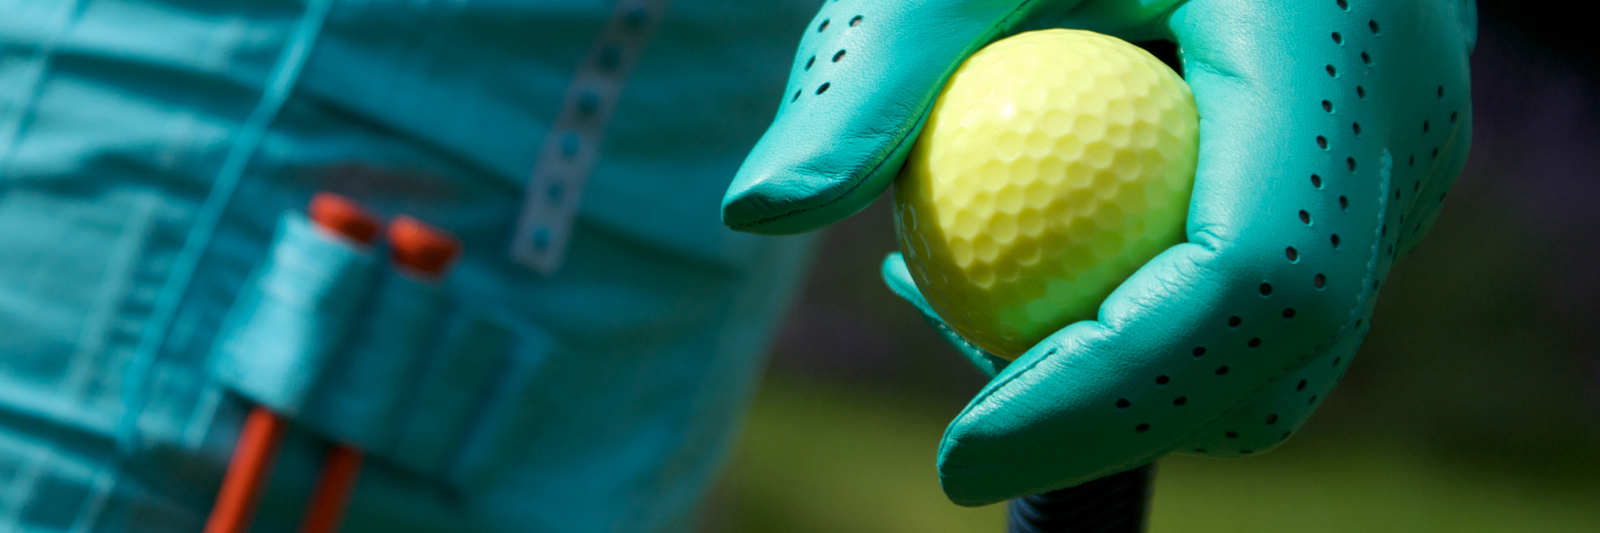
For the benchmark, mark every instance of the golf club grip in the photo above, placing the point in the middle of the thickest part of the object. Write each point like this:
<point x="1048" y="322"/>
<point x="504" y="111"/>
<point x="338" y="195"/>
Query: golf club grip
<point x="1118" y="503"/>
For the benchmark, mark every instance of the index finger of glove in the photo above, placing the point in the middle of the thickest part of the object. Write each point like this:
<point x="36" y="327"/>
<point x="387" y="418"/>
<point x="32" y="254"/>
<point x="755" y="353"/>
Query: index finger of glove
<point x="1289" y="238"/>
<point x="861" y="84"/>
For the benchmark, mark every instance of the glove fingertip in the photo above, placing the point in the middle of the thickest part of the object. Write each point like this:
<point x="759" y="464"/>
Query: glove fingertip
<point x="963" y="485"/>
<point x="898" y="277"/>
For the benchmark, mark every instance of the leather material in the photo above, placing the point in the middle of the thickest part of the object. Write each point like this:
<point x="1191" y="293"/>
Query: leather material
<point x="1330" y="132"/>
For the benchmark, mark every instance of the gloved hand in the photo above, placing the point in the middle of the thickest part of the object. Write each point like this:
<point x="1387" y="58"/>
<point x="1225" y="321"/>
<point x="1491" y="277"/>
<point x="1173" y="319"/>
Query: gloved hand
<point x="1330" y="131"/>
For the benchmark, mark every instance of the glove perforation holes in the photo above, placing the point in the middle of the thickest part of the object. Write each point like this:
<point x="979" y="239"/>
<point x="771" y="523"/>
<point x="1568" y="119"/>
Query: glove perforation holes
<point x="1180" y="401"/>
<point x="1412" y="161"/>
<point x="1305" y="217"/>
<point x="1441" y="92"/>
<point x="855" y="21"/>
<point x="1292" y="254"/>
<point x="796" y="97"/>
<point x="1334" y="238"/>
<point x="1361" y="92"/>
<point x="824" y="26"/>
<point x="1319" y="281"/>
<point x="1424" y="126"/>
<point x="1322" y="142"/>
<point x="1199" y="351"/>
<point x="1338" y="39"/>
<point x="1344" y="203"/>
<point x="1231" y="434"/>
<point x="1332" y="72"/>
<point x="1141" y="428"/>
<point x="1366" y="58"/>
<point x="1254" y="343"/>
<point x="1343" y="4"/>
<point x="1233" y="322"/>
<point x="1436" y="152"/>
<point x="1336" y="361"/>
<point x="1316" y="181"/>
<point x="1355" y="127"/>
<point x="1313" y="400"/>
<point x="1327" y="106"/>
<point x="824" y="87"/>
<point x="1222" y="371"/>
<point x="1272" y="419"/>
<point x="1285" y="436"/>
<point x="838" y="55"/>
<point x="1373" y="25"/>
<point x="1288" y="312"/>
<point x="810" y="62"/>
<point x="1266" y="289"/>
<point x="1301" y="386"/>
<point x="1162" y="380"/>
<point x="1453" y="117"/>
<point x="1123" y="404"/>
<point x="1349" y="162"/>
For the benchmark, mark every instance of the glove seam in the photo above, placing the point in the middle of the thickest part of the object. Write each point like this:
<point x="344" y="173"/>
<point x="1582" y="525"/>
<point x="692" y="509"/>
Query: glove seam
<point x="977" y="353"/>
<point x="946" y="328"/>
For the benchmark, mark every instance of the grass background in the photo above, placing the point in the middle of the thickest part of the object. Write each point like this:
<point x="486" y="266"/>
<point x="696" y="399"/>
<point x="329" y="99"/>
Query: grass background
<point x="821" y="457"/>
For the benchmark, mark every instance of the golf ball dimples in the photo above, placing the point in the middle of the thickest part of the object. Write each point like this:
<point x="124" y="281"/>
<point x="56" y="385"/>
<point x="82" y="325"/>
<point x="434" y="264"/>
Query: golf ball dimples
<point x="1053" y="165"/>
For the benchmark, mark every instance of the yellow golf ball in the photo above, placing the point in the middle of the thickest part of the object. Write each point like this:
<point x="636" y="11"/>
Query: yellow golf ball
<point x="1054" y="164"/>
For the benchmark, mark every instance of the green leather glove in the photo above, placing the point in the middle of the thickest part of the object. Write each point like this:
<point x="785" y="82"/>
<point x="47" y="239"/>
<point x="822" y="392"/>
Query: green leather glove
<point x="1330" y="131"/>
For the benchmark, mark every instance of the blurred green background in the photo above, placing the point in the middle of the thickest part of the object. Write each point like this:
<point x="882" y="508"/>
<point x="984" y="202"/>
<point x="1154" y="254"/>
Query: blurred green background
<point x="1471" y="407"/>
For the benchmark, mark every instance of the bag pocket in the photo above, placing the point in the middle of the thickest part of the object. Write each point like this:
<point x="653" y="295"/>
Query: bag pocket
<point x="427" y="380"/>
<point x="292" y="315"/>
<point x="419" y="378"/>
